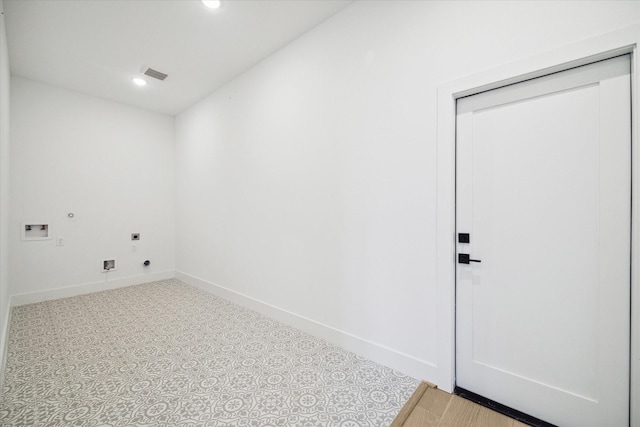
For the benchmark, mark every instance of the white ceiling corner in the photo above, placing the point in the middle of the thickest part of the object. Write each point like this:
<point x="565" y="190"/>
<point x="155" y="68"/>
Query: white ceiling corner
<point x="97" y="46"/>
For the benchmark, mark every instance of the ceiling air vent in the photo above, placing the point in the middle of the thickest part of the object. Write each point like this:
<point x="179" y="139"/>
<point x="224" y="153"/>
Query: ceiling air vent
<point x="155" y="74"/>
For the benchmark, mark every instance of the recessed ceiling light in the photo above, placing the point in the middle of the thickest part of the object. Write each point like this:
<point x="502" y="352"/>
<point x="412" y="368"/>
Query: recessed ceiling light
<point x="211" y="4"/>
<point x="138" y="81"/>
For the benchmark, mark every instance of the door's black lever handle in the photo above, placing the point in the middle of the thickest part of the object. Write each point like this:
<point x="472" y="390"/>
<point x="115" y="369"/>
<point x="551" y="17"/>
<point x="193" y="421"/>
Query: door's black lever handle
<point x="465" y="259"/>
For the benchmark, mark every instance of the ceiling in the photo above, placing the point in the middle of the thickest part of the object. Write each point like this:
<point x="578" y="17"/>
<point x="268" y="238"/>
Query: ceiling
<point x="97" y="46"/>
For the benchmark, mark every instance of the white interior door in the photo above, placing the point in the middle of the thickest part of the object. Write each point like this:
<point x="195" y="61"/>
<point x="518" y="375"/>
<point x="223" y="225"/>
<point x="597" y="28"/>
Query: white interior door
<point x="544" y="190"/>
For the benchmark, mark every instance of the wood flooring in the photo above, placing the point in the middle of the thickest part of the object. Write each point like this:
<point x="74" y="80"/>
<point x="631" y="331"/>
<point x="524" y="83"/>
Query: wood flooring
<point x="431" y="407"/>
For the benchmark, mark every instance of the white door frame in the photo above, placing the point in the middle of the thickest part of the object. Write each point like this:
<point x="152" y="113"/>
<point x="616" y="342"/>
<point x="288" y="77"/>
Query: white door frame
<point x="626" y="40"/>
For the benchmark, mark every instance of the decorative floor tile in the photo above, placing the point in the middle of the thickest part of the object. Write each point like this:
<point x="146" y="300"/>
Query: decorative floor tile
<point x="168" y="354"/>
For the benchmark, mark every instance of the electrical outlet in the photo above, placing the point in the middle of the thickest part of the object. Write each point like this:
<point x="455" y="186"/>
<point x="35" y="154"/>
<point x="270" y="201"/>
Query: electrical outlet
<point x="59" y="241"/>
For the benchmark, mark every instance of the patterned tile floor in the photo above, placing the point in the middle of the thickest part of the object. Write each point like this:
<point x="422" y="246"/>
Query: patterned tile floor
<point x="168" y="354"/>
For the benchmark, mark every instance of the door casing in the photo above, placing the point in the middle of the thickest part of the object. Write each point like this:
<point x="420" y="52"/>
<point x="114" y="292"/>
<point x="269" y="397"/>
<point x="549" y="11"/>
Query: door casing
<point x="602" y="47"/>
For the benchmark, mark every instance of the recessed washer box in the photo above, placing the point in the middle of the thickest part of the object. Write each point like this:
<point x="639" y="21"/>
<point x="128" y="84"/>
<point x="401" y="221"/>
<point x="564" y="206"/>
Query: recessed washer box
<point x="35" y="231"/>
<point x="108" y="265"/>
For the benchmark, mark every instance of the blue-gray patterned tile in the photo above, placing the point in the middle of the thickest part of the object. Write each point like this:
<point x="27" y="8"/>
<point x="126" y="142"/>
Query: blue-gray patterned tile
<point x="168" y="354"/>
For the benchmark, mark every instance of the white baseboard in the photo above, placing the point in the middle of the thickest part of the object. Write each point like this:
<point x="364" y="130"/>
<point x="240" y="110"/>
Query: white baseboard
<point x="4" y="341"/>
<point x="71" y="291"/>
<point x="409" y="365"/>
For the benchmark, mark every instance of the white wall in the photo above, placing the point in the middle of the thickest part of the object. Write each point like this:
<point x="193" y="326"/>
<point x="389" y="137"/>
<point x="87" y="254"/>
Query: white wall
<point x="309" y="182"/>
<point x="109" y="164"/>
<point x="4" y="187"/>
